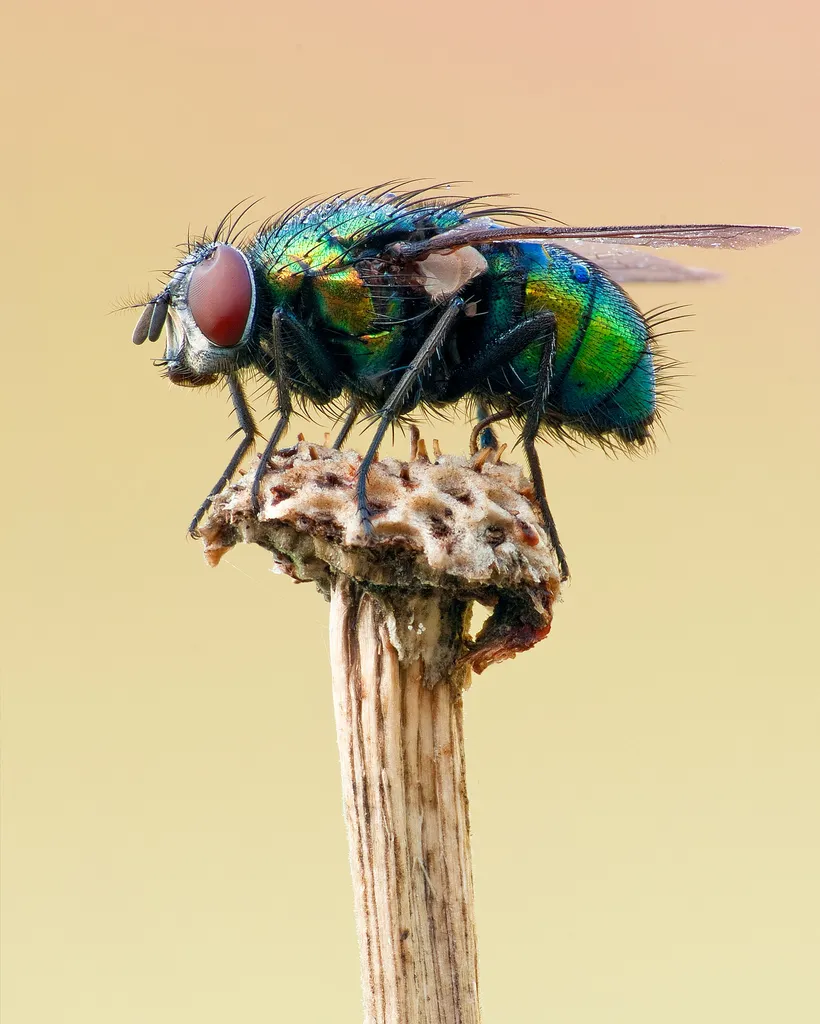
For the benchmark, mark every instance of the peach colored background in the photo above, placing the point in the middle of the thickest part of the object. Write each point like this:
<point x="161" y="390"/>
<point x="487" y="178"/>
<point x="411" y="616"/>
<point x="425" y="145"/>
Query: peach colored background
<point x="645" y="784"/>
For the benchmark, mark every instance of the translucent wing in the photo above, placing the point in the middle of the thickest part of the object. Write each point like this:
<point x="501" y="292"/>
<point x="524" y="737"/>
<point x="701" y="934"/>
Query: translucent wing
<point x="626" y="265"/>
<point x="660" y="236"/>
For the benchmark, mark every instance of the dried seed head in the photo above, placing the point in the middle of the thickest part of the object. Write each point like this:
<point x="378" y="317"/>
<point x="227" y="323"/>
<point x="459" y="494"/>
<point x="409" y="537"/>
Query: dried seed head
<point x="463" y="524"/>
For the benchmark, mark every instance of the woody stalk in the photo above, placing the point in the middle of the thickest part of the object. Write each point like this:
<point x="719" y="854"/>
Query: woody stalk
<point x="447" y="531"/>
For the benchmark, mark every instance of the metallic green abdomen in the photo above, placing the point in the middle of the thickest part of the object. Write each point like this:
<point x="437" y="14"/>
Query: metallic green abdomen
<point x="604" y="374"/>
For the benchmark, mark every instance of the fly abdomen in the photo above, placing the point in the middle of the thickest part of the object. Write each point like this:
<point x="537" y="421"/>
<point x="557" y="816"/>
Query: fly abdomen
<point x="604" y="375"/>
<point x="630" y="407"/>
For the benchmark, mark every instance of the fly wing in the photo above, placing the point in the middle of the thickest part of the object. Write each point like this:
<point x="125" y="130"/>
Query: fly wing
<point x="700" y="236"/>
<point x="659" y="236"/>
<point x="626" y="265"/>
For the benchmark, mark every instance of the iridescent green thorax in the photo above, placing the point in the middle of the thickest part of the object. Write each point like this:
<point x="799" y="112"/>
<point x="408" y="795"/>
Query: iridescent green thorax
<point x="316" y="260"/>
<point x="320" y="238"/>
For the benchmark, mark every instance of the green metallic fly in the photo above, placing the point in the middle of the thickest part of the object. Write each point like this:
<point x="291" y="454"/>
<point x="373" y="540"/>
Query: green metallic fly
<point x="390" y="301"/>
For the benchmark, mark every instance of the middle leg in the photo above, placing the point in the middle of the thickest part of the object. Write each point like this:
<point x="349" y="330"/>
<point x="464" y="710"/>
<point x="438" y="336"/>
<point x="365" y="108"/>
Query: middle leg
<point x="351" y="415"/>
<point x="393" y="407"/>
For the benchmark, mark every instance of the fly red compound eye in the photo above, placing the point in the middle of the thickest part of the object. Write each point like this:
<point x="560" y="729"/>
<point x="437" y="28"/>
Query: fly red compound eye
<point x="220" y="296"/>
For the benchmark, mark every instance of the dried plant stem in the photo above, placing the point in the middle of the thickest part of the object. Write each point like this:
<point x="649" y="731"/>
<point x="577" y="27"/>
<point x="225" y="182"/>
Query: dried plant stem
<point x="447" y="533"/>
<point x="405" y="802"/>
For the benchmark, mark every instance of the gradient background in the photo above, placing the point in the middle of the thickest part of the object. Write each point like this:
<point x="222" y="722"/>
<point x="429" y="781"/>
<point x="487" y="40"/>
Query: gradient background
<point x="644" y="785"/>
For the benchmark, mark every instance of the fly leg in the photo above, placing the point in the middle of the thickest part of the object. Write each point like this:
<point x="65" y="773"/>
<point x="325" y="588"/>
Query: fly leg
<point x="394" y="405"/>
<point x="530" y="433"/>
<point x="276" y="354"/>
<point x="482" y="436"/>
<point x="541" y="497"/>
<point x="485" y="436"/>
<point x="248" y="429"/>
<point x="352" y="411"/>
<point x="270" y="448"/>
<point x="495" y="354"/>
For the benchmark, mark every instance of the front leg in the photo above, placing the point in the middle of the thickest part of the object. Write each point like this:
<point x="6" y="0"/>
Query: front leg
<point x="284" y="405"/>
<point x="248" y="429"/>
<point x="320" y="377"/>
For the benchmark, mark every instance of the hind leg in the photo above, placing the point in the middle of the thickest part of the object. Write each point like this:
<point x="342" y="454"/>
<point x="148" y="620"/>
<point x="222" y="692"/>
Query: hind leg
<point x="529" y="434"/>
<point x="493" y="355"/>
<point x="541" y="497"/>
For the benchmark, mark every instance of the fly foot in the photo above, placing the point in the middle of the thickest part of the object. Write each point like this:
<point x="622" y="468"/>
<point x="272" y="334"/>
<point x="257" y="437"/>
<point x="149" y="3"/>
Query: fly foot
<point x="193" y="526"/>
<point x="366" y="517"/>
<point x="256" y="486"/>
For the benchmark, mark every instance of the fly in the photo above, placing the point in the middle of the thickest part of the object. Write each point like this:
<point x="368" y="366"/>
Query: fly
<point x="390" y="301"/>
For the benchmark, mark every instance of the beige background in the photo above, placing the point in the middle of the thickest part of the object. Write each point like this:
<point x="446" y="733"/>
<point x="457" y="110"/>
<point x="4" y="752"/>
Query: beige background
<point x="644" y="784"/>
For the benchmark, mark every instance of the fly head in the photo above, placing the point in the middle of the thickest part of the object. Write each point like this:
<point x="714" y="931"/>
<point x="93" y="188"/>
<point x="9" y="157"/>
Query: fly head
<point x="208" y="311"/>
